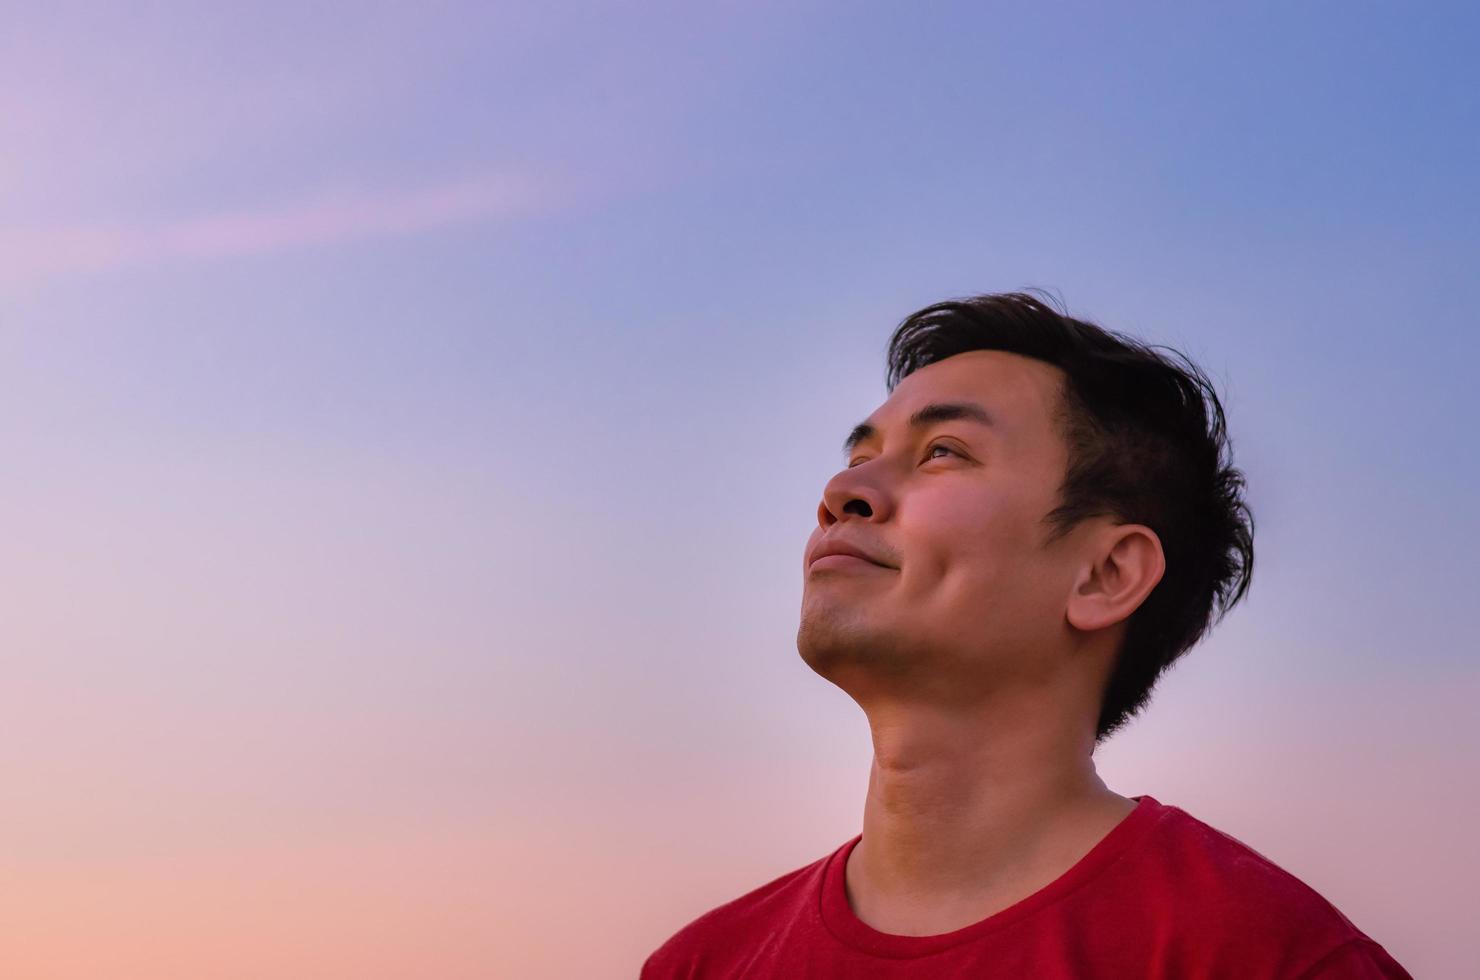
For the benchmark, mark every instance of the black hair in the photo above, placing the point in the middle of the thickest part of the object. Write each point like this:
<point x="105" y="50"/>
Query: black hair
<point x="1147" y="443"/>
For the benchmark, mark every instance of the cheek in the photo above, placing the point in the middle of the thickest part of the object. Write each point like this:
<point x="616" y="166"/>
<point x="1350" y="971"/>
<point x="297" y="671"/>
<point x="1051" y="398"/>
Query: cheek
<point x="959" y="548"/>
<point x="971" y="551"/>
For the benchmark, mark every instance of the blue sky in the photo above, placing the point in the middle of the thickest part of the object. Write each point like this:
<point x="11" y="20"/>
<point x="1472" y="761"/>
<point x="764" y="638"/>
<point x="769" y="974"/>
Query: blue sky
<point x="383" y="227"/>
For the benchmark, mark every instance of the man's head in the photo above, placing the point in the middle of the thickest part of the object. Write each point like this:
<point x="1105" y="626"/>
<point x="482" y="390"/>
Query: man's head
<point x="1048" y="508"/>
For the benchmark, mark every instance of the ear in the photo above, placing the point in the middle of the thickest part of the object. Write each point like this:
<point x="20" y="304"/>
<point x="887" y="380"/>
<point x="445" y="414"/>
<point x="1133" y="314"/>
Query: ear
<point x="1126" y="565"/>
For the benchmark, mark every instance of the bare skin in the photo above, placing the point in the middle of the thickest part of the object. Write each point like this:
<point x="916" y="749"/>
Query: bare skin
<point x="951" y="837"/>
<point x="978" y="651"/>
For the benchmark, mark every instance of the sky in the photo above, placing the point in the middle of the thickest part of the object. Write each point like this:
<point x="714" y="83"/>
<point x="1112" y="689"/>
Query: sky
<point x="415" y="416"/>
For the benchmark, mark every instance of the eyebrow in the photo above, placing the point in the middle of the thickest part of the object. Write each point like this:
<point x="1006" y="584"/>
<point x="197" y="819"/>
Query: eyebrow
<point x="932" y="414"/>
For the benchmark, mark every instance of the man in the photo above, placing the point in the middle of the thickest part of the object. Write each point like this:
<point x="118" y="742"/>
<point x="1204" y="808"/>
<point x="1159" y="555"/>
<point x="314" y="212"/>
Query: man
<point x="1036" y="523"/>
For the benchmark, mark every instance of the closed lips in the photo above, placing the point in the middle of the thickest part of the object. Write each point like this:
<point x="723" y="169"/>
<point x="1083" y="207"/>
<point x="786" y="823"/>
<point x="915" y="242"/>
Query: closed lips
<point x="842" y="548"/>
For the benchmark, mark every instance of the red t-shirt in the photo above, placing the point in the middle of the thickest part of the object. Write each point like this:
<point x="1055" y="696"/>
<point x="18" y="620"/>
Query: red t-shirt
<point x="1163" y="896"/>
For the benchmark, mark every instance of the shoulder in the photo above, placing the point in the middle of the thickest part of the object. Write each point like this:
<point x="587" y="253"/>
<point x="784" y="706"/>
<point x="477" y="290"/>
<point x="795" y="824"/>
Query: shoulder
<point x="1359" y="959"/>
<point x="1212" y="883"/>
<point x="757" y="913"/>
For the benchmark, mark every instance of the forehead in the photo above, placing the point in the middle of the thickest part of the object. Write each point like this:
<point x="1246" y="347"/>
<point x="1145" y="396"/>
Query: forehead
<point x="1020" y="392"/>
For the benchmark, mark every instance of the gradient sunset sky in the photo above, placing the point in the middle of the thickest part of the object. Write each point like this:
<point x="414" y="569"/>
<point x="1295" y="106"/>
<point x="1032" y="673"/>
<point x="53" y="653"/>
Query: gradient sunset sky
<point x="414" y="415"/>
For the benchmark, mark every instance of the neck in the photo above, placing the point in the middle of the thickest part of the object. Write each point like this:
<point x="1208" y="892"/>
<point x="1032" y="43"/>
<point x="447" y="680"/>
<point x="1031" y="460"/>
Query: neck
<point x="967" y="815"/>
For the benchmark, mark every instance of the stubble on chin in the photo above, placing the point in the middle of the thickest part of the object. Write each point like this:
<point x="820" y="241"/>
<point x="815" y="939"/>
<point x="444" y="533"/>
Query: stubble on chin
<point x="837" y="643"/>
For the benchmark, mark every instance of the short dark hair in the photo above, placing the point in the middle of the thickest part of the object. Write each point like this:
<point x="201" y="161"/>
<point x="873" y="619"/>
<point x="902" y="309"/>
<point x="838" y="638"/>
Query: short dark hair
<point x="1147" y="441"/>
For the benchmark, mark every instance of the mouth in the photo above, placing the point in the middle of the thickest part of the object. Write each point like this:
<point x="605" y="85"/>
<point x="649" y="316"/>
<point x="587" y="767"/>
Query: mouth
<point x="843" y="563"/>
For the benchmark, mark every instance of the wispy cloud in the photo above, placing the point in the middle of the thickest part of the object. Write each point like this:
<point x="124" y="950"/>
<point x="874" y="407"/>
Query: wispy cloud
<point x="340" y="215"/>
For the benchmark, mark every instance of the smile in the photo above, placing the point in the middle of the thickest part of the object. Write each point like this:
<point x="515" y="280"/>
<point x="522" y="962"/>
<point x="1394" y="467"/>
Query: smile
<point x="843" y="562"/>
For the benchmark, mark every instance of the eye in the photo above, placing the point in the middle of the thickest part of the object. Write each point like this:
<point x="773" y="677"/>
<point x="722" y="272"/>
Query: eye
<point x="928" y="451"/>
<point x="938" y="445"/>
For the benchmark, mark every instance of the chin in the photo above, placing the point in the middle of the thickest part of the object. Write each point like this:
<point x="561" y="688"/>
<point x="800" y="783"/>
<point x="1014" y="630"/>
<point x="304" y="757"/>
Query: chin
<point x="834" y="645"/>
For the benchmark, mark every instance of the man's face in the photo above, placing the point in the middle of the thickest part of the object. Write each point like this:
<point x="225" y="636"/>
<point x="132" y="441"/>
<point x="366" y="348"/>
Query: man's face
<point x="971" y="600"/>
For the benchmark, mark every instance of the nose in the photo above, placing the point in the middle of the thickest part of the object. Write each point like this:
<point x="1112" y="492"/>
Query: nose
<point x="852" y="490"/>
